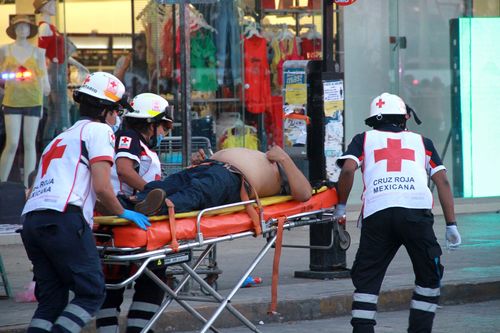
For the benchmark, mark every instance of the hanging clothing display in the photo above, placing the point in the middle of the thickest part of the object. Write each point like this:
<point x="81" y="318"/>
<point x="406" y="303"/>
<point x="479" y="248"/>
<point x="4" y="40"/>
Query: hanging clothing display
<point x="203" y="63"/>
<point x="167" y="46"/>
<point x="311" y="48"/>
<point x="285" y="4"/>
<point x="268" y="4"/>
<point x="289" y="51"/>
<point x="223" y="16"/>
<point x="240" y="137"/>
<point x="257" y="75"/>
<point x="274" y="122"/>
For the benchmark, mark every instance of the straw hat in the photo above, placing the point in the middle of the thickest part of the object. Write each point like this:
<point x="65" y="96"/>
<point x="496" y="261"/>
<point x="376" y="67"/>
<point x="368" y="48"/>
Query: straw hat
<point x="14" y="20"/>
<point x="38" y="4"/>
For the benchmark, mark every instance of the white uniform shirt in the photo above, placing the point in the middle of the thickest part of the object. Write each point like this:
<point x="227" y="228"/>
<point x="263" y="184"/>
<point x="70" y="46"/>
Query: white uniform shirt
<point x="64" y="175"/>
<point x="395" y="166"/>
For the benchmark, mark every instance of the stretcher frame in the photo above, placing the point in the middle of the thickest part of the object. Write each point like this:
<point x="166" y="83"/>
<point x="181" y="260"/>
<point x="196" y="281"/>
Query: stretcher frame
<point x="170" y="155"/>
<point x="127" y="256"/>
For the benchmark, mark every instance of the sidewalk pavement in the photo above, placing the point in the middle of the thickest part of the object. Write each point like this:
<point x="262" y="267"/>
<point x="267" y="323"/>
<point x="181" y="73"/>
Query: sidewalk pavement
<point x="472" y="274"/>
<point x="464" y="318"/>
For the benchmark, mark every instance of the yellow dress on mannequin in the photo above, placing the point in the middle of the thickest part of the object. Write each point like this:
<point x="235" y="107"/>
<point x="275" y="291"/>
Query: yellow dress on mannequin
<point x="26" y="91"/>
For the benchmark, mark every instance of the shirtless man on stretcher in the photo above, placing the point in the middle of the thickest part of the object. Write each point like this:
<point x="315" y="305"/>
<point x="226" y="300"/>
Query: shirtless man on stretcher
<point x="218" y="181"/>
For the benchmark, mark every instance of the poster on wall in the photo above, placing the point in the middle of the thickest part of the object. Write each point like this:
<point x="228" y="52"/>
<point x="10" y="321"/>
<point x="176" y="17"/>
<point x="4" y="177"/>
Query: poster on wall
<point x="295" y="91"/>
<point x="295" y="107"/>
<point x="333" y="101"/>
<point x="333" y="98"/>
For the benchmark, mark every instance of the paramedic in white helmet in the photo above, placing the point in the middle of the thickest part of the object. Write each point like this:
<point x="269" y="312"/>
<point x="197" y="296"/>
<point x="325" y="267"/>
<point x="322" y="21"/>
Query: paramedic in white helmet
<point x="136" y="163"/>
<point x="74" y="170"/>
<point x="396" y="211"/>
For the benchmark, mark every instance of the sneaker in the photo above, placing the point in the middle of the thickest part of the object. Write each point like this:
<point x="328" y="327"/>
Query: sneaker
<point x="153" y="202"/>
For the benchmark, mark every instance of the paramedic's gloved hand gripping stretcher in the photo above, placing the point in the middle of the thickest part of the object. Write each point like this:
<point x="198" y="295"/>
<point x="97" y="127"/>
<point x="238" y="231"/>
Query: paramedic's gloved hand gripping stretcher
<point x="140" y="219"/>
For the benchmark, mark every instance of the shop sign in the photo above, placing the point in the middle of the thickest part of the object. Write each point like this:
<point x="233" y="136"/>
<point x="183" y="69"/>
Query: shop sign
<point x="344" y="2"/>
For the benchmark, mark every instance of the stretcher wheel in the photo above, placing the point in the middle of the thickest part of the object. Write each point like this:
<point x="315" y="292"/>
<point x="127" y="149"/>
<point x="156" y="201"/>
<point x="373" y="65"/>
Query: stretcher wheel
<point x="345" y="242"/>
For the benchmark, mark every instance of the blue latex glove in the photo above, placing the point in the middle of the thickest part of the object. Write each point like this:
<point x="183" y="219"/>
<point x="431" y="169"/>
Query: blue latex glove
<point x="140" y="219"/>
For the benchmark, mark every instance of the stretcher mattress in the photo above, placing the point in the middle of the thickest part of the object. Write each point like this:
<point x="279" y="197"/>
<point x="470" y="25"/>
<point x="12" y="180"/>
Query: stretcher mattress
<point x="159" y="235"/>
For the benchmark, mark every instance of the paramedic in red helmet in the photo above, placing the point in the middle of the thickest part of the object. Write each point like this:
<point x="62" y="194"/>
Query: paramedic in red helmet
<point x="396" y="211"/>
<point x="74" y="170"/>
<point x="136" y="164"/>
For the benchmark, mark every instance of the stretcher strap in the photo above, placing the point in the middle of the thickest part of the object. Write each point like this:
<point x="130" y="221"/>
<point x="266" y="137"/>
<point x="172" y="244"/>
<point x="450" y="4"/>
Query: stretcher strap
<point x="171" y="219"/>
<point x="276" y="266"/>
<point x="250" y="209"/>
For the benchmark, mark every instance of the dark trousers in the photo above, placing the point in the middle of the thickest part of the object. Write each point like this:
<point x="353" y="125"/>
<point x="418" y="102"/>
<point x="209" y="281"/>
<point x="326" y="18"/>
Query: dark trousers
<point x="62" y="250"/>
<point x="382" y="234"/>
<point x="145" y="302"/>
<point x="197" y="188"/>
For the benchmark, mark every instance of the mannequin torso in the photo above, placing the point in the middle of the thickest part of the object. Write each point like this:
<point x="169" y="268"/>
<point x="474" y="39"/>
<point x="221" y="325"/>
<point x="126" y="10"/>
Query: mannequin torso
<point x="23" y="53"/>
<point x="48" y="37"/>
<point x="22" y="103"/>
<point x="44" y="27"/>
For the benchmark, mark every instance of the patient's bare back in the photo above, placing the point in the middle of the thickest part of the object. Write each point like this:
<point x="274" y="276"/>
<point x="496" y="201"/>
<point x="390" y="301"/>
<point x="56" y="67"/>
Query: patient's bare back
<point x="262" y="174"/>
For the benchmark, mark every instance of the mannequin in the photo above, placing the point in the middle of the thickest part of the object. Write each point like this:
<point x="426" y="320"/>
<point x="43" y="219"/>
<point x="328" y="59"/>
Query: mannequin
<point x="53" y="43"/>
<point x="23" y="98"/>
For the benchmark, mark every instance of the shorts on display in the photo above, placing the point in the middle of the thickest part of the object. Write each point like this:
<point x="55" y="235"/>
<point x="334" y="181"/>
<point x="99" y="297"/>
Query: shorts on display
<point x="32" y="111"/>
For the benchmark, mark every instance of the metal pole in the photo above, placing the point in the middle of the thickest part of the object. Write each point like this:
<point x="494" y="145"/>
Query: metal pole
<point x="185" y="82"/>
<point x="328" y="37"/>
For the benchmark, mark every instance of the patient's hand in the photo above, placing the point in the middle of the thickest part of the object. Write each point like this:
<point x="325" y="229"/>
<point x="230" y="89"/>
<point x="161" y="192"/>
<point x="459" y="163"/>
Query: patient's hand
<point x="276" y="154"/>
<point x="198" y="157"/>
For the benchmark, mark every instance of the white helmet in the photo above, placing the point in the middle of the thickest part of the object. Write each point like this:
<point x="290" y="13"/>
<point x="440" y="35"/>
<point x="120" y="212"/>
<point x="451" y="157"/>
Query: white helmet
<point x="387" y="104"/>
<point x="103" y="86"/>
<point x="149" y="107"/>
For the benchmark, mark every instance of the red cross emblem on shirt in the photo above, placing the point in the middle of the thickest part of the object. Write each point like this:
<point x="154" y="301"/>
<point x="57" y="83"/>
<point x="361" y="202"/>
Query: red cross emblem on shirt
<point x="394" y="154"/>
<point x="380" y="103"/>
<point x="124" y="139"/>
<point x="53" y="153"/>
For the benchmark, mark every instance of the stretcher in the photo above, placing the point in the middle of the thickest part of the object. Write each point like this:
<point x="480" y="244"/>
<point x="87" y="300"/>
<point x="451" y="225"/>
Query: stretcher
<point x="121" y="243"/>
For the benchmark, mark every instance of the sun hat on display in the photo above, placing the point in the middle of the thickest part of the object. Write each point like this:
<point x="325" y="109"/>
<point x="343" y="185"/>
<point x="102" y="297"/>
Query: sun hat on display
<point x="14" y="20"/>
<point x="38" y="4"/>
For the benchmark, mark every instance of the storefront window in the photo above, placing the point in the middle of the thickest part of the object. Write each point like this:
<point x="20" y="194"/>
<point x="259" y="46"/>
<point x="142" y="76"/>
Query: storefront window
<point x="405" y="48"/>
<point x="237" y="50"/>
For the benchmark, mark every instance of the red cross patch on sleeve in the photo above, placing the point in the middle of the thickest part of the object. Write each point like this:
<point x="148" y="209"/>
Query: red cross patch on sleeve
<point x="125" y="142"/>
<point x="112" y="139"/>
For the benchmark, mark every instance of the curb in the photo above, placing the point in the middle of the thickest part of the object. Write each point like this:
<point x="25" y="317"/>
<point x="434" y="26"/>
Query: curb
<point x="177" y="319"/>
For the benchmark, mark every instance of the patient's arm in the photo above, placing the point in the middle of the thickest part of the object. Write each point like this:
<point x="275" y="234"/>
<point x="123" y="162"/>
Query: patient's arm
<point x="299" y="185"/>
